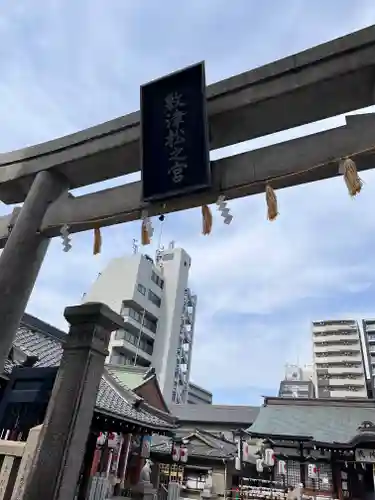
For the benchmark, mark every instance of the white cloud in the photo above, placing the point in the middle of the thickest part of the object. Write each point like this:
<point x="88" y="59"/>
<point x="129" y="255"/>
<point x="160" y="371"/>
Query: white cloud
<point x="298" y="256"/>
<point x="271" y="274"/>
<point x="68" y="65"/>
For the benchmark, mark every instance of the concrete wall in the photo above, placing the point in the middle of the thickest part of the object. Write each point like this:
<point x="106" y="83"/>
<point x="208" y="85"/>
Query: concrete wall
<point x="115" y="283"/>
<point x="220" y="483"/>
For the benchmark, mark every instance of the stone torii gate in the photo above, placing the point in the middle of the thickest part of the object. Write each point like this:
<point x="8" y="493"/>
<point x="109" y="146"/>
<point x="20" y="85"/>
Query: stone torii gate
<point x="331" y="79"/>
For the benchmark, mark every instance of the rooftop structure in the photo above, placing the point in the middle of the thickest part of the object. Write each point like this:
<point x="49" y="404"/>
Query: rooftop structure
<point x="297" y="382"/>
<point x="198" y="395"/>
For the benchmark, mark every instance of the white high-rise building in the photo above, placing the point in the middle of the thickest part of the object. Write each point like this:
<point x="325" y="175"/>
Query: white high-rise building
<point x="369" y="339"/>
<point x="339" y="370"/>
<point x="159" y="313"/>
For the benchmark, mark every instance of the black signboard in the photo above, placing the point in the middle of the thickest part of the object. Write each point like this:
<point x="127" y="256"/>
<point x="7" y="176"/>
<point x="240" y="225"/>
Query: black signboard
<point x="174" y="135"/>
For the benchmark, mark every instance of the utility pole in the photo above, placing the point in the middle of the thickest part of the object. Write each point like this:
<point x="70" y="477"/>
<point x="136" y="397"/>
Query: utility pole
<point x="139" y="336"/>
<point x="241" y="464"/>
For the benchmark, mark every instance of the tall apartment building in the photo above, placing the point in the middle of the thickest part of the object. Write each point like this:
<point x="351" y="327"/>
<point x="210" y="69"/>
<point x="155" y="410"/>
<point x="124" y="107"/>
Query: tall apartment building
<point x="297" y="383"/>
<point x="198" y="395"/>
<point x="339" y="370"/>
<point x="369" y="340"/>
<point x="159" y="313"/>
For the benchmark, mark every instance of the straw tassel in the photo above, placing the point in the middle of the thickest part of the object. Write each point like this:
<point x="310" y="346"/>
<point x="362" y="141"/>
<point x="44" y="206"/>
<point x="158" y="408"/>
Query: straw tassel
<point x="352" y="180"/>
<point x="145" y="237"/>
<point x="147" y="230"/>
<point x="206" y="220"/>
<point x="97" y="241"/>
<point x="271" y="200"/>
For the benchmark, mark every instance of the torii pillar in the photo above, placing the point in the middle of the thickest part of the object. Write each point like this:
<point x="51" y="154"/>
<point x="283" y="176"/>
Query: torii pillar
<point x="23" y="255"/>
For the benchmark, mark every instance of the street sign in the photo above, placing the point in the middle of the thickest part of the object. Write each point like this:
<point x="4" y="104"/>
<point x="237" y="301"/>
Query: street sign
<point x="174" y="135"/>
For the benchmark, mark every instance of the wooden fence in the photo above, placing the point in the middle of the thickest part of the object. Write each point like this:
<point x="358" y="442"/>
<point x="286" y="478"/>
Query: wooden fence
<point x="16" y="460"/>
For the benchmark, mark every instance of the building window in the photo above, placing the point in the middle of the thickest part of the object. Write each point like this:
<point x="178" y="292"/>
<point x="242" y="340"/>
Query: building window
<point x="151" y="324"/>
<point x="154" y="298"/>
<point x="141" y="289"/>
<point x="130" y="337"/>
<point x="125" y="335"/>
<point x="117" y="359"/>
<point x="157" y="280"/>
<point x="168" y="256"/>
<point x="119" y="335"/>
<point x="146" y="345"/>
<point x="143" y="343"/>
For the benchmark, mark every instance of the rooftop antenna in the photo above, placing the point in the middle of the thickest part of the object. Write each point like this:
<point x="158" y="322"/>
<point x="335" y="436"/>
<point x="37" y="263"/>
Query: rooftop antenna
<point x="135" y="246"/>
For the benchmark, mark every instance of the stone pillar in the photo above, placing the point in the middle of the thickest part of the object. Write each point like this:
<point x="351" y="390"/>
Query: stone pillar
<point x="155" y="475"/>
<point x="23" y="256"/>
<point x="218" y="480"/>
<point x="68" y="419"/>
<point x="87" y="465"/>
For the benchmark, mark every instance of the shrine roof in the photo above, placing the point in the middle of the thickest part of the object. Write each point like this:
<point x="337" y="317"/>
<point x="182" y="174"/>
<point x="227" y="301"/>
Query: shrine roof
<point x="238" y="416"/>
<point x="340" y="422"/>
<point x="200" y="444"/>
<point x="36" y="338"/>
<point x="112" y="401"/>
<point x="130" y="376"/>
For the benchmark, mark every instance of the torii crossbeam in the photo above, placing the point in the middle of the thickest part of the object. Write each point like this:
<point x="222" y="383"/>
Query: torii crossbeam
<point x="328" y="80"/>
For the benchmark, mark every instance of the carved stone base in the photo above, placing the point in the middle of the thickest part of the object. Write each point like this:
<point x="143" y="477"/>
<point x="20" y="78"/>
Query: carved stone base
<point x="143" y="491"/>
<point x="208" y="495"/>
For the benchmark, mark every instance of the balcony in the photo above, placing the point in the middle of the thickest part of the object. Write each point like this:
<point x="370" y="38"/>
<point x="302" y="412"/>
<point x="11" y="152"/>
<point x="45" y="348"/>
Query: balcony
<point x="337" y="338"/>
<point x="339" y="358"/>
<point x="355" y="348"/>
<point x="345" y="393"/>
<point x="336" y="327"/>
<point x="358" y="383"/>
<point x="135" y="321"/>
<point x="128" y="349"/>
<point x="355" y="370"/>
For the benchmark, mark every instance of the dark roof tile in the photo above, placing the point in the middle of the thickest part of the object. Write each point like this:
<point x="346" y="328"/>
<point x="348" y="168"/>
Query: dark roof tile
<point x="215" y="414"/>
<point x="163" y="445"/>
<point x="323" y="423"/>
<point x="34" y="342"/>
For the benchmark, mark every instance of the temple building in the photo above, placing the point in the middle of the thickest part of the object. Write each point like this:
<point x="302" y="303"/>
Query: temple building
<point x="328" y="445"/>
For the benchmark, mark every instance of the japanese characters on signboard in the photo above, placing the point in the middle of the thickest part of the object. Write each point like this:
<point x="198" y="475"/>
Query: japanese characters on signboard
<point x="365" y="455"/>
<point x="174" y="135"/>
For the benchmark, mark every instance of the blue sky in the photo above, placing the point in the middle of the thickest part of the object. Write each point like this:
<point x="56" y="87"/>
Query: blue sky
<point x="67" y="65"/>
